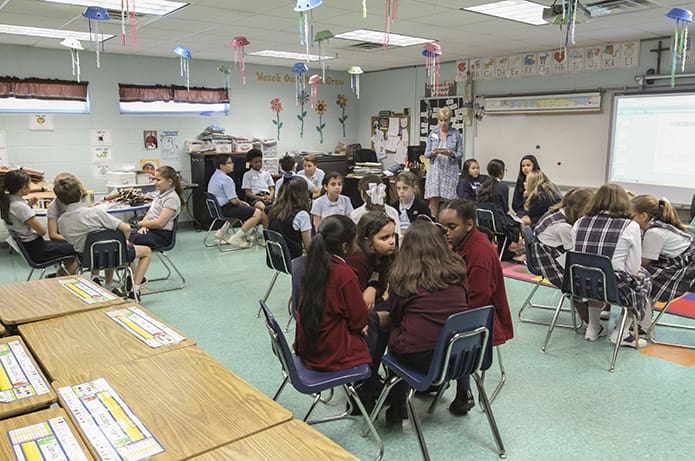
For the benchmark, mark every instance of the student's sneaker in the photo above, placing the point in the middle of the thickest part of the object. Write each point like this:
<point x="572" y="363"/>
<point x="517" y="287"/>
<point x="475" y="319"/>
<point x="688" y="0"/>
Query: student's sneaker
<point x="606" y="313"/>
<point x="221" y="232"/>
<point x="260" y="241"/>
<point x="237" y="240"/>
<point x="628" y="339"/>
<point x="594" y="335"/>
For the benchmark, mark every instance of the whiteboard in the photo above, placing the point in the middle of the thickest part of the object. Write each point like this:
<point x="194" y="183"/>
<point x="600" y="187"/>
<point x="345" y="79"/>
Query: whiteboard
<point x="572" y="149"/>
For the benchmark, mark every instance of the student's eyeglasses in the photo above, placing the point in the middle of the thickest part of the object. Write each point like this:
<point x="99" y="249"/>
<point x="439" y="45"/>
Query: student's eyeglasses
<point x="424" y="217"/>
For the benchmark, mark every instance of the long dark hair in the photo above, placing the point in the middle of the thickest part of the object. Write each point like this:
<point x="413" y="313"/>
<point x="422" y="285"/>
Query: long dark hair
<point x="332" y="234"/>
<point x="521" y="178"/>
<point x="371" y="224"/>
<point x="168" y="172"/>
<point x="13" y="182"/>
<point x="466" y="166"/>
<point x="495" y="169"/>
<point x="293" y="197"/>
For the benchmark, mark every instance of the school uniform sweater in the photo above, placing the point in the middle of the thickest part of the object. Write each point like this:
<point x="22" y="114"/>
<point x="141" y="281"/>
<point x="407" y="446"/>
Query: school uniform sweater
<point x="371" y="274"/>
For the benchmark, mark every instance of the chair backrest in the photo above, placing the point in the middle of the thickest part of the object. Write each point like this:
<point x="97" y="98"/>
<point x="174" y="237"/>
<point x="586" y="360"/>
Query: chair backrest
<point x="486" y="218"/>
<point x="590" y="276"/>
<point x="172" y="242"/>
<point x="280" y="346"/>
<point x="19" y="246"/>
<point x="367" y="155"/>
<point x="104" y="249"/>
<point x="298" y="267"/>
<point x="464" y="346"/>
<point x="213" y="207"/>
<point x="527" y="233"/>
<point x="277" y="254"/>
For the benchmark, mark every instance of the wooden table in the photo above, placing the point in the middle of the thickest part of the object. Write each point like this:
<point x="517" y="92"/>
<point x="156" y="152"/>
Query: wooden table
<point x="87" y="341"/>
<point x="291" y="441"/>
<point x="43" y="299"/>
<point x="26" y="405"/>
<point x="190" y="402"/>
<point x="6" y="452"/>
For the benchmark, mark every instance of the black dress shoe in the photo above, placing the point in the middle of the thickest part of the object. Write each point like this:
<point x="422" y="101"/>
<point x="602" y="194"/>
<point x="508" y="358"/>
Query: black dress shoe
<point x="461" y="406"/>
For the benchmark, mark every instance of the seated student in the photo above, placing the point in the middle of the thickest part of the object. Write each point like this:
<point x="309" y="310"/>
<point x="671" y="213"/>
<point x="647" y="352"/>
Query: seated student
<point x="427" y="284"/>
<point x="288" y="165"/>
<point x="332" y="315"/>
<point x="155" y="229"/>
<point x="408" y="204"/>
<point x="484" y="275"/>
<point x="608" y="229"/>
<point x="55" y="210"/>
<point x="289" y="216"/>
<point x="79" y="220"/>
<point x="257" y="183"/>
<point x="312" y="173"/>
<point x="20" y="218"/>
<point x="469" y="186"/>
<point x="331" y="202"/>
<point x="668" y="249"/>
<point x="494" y="195"/>
<point x="527" y="164"/>
<point x="223" y="188"/>
<point x="541" y="194"/>
<point x="373" y="193"/>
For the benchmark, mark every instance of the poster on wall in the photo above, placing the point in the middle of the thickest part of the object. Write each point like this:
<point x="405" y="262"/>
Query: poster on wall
<point x="100" y="152"/>
<point x="99" y="170"/>
<point x="149" y="138"/>
<point x="169" y="143"/>
<point x="100" y="137"/>
<point x="149" y="165"/>
<point x="41" y="122"/>
<point x="3" y="148"/>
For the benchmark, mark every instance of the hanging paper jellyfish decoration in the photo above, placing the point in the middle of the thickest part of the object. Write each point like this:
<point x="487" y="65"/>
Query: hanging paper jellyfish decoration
<point x="355" y="72"/>
<point x="306" y="21"/>
<point x="239" y="43"/>
<point x="299" y="69"/>
<point x="74" y="46"/>
<point x="389" y="16"/>
<point x="128" y="14"/>
<point x="184" y="63"/>
<point x="96" y="35"/>
<point x="322" y="38"/>
<point x="433" y="52"/>
<point x="314" y="80"/>
<point x="569" y="18"/>
<point x="680" y="38"/>
<point x="226" y="72"/>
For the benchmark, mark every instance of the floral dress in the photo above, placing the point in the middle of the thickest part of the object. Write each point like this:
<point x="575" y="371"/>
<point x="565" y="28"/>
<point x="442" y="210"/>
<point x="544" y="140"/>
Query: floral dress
<point x="443" y="172"/>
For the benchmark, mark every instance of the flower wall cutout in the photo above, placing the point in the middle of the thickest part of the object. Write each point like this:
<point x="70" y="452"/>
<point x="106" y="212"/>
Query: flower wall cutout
<point x="342" y="102"/>
<point x="302" y="99"/>
<point x="321" y="108"/>
<point x="276" y="106"/>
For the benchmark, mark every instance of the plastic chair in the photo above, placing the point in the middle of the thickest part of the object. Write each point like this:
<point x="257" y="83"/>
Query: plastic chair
<point x="18" y="246"/>
<point x="655" y="323"/>
<point x="168" y="265"/>
<point x="298" y="267"/>
<point x="591" y="277"/>
<point x="313" y="382"/>
<point x="215" y="212"/>
<point x="527" y="232"/>
<point x="277" y="258"/>
<point x="107" y="249"/>
<point x="486" y="218"/>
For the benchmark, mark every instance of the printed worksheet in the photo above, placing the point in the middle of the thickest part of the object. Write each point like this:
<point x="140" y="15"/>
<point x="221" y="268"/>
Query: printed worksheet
<point x="144" y="327"/>
<point x="50" y="440"/>
<point x="19" y="378"/>
<point x="111" y="427"/>
<point x="86" y="291"/>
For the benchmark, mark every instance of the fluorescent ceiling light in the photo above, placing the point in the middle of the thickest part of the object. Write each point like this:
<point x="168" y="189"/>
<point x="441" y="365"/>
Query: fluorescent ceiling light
<point x="48" y="33"/>
<point x="288" y="55"/>
<point x="373" y="36"/>
<point x="154" y="7"/>
<point x="515" y="10"/>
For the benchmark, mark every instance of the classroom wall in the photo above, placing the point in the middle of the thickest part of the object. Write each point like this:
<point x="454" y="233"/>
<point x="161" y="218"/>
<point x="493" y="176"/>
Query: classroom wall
<point x="67" y="147"/>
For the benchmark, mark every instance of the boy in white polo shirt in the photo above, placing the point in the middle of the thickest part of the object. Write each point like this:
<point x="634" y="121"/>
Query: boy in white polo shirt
<point x="258" y="184"/>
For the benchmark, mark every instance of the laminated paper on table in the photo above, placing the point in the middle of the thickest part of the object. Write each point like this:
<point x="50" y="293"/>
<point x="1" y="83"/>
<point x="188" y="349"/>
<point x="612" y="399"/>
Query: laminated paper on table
<point x="144" y="327"/>
<point x="86" y="291"/>
<point x="19" y="378"/>
<point x="48" y="440"/>
<point x="111" y="427"/>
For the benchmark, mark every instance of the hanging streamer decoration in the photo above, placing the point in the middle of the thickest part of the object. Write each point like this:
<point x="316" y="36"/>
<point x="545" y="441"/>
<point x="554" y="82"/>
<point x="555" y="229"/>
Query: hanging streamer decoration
<point x="184" y="63"/>
<point x="306" y="21"/>
<point x="128" y="15"/>
<point x="299" y="69"/>
<point x="322" y="38"/>
<point x="239" y="43"/>
<point x="227" y="80"/>
<point x="96" y="35"/>
<point x="314" y="80"/>
<point x="364" y="8"/>
<point x="355" y="72"/>
<point x="682" y="17"/>
<point x="74" y="46"/>
<point x="569" y="18"/>
<point x="389" y="16"/>
<point x="433" y="52"/>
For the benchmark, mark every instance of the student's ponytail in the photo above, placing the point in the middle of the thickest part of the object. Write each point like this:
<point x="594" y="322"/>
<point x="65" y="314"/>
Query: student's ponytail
<point x="11" y="183"/>
<point x="4" y="201"/>
<point x="495" y="170"/>
<point x="660" y="209"/>
<point x="669" y="215"/>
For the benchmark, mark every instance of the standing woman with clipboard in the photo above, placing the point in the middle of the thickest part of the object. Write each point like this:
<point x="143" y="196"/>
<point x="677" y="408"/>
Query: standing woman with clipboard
<point x="445" y="150"/>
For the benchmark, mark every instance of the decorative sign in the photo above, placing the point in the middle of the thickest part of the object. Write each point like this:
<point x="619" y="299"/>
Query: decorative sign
<point x="41" y="122"/>
<point x="290" y="78"/>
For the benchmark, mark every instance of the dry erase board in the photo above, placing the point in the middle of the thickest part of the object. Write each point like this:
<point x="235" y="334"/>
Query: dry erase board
<point x="428" y="114"/>
<point x="572" y="149"/>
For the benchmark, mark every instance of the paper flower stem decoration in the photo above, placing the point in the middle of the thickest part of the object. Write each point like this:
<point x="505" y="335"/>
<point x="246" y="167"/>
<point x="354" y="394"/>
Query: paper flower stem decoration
<point x="680" y="39"/>
<point x="96" y="35"/>
<point x="433" y="52"/>
<point x="239" y="43"/>
<point x="314" y="81"/>
<point x="302" y="99"/>
<point x="321" y="107"/>
<point x="342" y="102"/>
<point x="184" y="64"/>
<point x="74" y="46"/>
<point x="276" y="106"/>
<point x="306" y="21"/>
<point x="355" y="72"/>
<point x="128" y="14"/>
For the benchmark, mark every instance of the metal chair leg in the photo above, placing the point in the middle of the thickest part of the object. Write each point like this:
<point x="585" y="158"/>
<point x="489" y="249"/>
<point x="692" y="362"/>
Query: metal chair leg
<point x="289" y="309"/>
<point x="267" y="292"/>
<point x="169" y="266"/>
<point x="530" y="305"/>
<point x="655" y="322"/>
<point x="623" y="321"/>
<point x="490" y="417"/>
<point x="317" y="397"/>
<point x="415" y="422"/>
<point x="498" y="388"/>
<point x="350" y="391"/>
<point x="438" y="397"/>
<point x="382" y="399"/>
<point x="553" y="322"/>
<point x="285" y="380"/>
<point x="205" y="240"/>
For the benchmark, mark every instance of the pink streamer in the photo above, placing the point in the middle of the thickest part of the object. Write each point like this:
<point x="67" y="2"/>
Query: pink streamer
<point x="240" y="53"/>
<point x="394" y="10"/>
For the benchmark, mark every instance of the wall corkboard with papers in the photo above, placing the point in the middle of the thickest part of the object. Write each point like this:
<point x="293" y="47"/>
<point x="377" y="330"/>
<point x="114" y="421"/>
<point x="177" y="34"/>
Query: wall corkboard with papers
<point x="391" y="135"/>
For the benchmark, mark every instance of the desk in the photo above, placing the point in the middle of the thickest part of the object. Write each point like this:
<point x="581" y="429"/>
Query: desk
<point x="6" y="452"/>
<point x="87" y="341"/>
<point x="190" y="402"/>
<point x="24" y="302"/>
<point x="28" y="404"/>
<point x="291" y="441"/>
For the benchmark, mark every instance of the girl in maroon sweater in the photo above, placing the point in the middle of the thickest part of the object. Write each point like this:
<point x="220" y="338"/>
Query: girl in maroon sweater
<point x="332" y="315"/>
<point x="427" y="284"/>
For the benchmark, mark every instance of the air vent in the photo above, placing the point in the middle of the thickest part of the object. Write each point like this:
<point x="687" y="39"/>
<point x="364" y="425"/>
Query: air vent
<point x="366" y="46"/>
<point x="604" y="7"/>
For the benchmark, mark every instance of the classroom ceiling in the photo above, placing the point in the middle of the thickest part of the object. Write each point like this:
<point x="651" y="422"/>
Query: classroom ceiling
<point x="206" y="27"/>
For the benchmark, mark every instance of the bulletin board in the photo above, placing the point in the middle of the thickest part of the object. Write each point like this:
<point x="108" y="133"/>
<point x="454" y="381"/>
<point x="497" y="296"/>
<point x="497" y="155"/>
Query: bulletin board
<point x="391" y="135"/>
<point x="428" y="114"/>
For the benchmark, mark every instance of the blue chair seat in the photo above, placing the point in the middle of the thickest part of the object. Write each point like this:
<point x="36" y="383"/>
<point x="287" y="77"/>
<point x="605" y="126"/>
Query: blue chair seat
<point x="313" y="381"/>
<point x="19" y="245"/>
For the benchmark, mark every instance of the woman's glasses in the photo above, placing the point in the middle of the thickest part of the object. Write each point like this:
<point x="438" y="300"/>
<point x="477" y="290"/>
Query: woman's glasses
<point x="424" y="217"/>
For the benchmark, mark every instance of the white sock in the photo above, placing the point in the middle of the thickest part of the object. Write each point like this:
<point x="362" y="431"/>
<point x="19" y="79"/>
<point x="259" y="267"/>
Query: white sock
<point x="594" y="318"/>
<point x="225" y="227"/>
<point x="240" y="233"/>
<point x="259" y="230"/>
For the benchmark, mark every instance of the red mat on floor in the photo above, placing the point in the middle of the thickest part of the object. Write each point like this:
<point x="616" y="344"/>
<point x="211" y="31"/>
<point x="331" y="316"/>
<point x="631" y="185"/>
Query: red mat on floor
<point x="520" y="272"/>
<point x="683" y="306"/>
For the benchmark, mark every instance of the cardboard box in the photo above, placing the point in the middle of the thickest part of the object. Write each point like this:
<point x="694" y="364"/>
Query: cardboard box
<point x="120" y="177"/>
